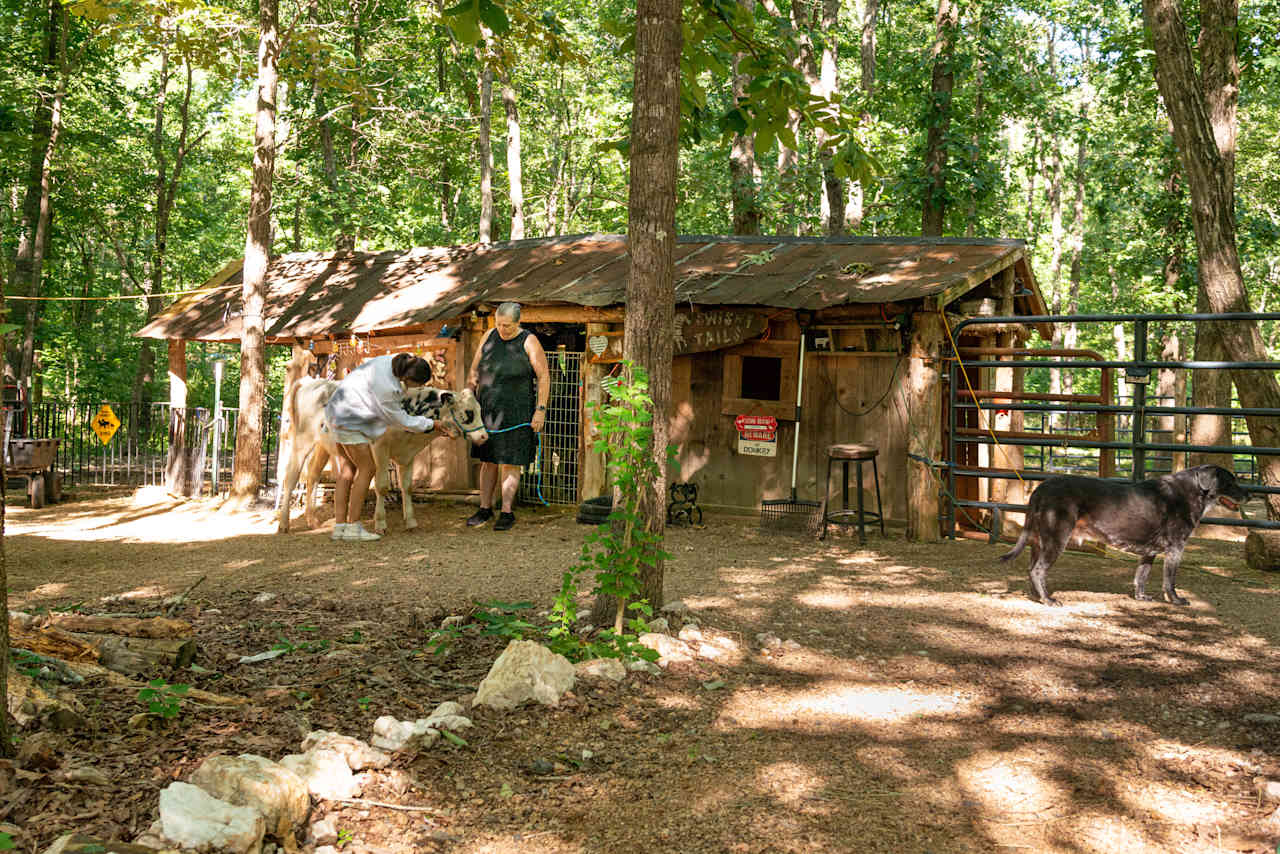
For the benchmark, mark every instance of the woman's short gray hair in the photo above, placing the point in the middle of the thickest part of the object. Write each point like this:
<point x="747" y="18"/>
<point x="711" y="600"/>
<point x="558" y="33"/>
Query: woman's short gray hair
<point x="509" y="310"/>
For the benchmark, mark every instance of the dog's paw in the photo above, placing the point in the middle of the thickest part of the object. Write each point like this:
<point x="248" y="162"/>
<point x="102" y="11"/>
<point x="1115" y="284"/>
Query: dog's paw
<point x="1175" y="599"/>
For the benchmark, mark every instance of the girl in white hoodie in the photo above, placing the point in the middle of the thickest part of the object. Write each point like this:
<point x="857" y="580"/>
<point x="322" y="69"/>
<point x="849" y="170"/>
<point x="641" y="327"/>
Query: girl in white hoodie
<point x="365" y="404"/>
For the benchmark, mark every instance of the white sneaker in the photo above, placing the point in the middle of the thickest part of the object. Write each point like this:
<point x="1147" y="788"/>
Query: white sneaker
<point x="356" y="531"/>
<point x="339" y="531"/>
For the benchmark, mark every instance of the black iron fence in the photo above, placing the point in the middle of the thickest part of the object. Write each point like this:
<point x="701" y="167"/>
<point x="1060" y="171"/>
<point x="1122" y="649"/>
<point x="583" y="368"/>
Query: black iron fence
<point x="1117" y="436"/>
<point x="140" y="451"/>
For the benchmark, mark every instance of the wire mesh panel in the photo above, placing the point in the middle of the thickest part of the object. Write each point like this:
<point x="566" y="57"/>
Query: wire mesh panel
<point x="139" y="452"/>
<point x="553" y="475"/>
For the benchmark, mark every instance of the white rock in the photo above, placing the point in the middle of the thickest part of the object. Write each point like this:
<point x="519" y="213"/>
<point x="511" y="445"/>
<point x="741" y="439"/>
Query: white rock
<point x="690" y="634"/>
<point x="325" y="831"/>
<point x="452" y="723"/>
<point x="660" y="625"/>
<point x="192" y="818"/>
<point x="325" y="772"/>
<point x="392" y="734"/>
<point x="455" y="620"/>
<point x="1268" y="790"/>
<point x="768" y="641"/>
<point x="639" y="665"/>
<point x="263" y="598"/>
<point x="255" y="781"/>
<point x="711" y="652"/>
<point x="669" y="649"/>
<point x="447" y="708"/>
<point x="262" y="656"/>
<point x="526" y="671"/>
<point x="358" y="754"/>
<point x="678" y="608"/>
<point x="601" y="668"/>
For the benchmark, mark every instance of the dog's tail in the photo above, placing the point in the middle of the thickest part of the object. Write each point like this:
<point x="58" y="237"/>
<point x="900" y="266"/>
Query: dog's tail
<point x="1021" y="544"/>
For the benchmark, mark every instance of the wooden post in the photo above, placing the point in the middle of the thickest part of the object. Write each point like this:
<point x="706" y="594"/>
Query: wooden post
<point x="1007" y="456"/>
<point x="177" y="374"/>
<point x="924" y="411"/>
<point x="593" y="479"/>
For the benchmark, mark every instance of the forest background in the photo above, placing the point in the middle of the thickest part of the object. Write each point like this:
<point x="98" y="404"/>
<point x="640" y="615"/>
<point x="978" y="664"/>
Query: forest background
<point x="404" y="124"/>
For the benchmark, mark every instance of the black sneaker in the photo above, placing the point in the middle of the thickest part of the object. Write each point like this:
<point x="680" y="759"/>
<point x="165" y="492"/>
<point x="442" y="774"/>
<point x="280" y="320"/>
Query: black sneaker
<point x="484" y="514"/>
<point x="505" y="521"/>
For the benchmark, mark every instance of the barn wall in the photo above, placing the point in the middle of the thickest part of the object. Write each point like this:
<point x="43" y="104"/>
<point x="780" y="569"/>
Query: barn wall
<point x="707" y="439"/>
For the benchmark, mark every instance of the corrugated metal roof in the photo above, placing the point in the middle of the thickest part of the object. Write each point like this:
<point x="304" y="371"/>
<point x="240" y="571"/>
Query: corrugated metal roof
<point x="315" y="294"/>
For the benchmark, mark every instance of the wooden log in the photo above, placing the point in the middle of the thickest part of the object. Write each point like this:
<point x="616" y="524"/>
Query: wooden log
<point x="141" y="655"/>
<point x="89" y="670"/>
<point x="78" y="843"/>
<point x="1262" y="550"/>
<point x="26" y="634"/>
<point x="29" y="701"/>
<point x="154" y="627"/>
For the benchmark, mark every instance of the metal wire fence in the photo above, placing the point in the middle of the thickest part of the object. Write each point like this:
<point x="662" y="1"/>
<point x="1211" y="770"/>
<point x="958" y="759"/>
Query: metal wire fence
<point x="139" y="452"/>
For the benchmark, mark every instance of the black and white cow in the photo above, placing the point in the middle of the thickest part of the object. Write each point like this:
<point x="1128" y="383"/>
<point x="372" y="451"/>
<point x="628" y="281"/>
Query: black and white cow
<point x="310" y="446"/>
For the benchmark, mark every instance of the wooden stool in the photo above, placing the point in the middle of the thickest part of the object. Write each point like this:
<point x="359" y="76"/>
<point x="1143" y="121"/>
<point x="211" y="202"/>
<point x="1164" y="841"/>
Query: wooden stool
<point x="856" y="454"/>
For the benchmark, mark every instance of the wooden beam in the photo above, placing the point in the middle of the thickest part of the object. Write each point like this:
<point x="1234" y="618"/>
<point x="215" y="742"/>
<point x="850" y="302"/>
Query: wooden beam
<point x="177" y="373"/>
<point x="565" y="313"/>
<point x="924" y="412"/>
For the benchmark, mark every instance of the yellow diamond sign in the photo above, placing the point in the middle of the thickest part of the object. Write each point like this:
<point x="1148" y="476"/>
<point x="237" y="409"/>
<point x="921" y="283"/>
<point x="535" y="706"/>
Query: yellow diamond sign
<point x="105" y="423"/>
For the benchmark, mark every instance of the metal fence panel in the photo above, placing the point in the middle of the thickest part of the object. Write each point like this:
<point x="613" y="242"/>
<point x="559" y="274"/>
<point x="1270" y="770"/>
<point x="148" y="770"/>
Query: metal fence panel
<point x="1071" y="443"/>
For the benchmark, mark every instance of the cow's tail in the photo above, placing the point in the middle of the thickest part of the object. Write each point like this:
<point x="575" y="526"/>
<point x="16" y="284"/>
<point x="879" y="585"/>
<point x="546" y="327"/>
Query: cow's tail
<point x="1020" y="545"/>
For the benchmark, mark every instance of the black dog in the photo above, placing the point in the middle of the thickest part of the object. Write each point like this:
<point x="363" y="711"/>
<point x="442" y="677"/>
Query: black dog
<point x="1151" y="517"/>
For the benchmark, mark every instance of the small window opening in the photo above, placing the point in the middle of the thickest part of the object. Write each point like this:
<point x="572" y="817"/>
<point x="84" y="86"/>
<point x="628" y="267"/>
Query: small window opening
<point x="761" y="378"/>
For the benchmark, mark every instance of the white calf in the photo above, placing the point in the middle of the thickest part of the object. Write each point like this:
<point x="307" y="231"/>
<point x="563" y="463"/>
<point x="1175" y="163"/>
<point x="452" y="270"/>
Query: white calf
<point x="310" y="446"/>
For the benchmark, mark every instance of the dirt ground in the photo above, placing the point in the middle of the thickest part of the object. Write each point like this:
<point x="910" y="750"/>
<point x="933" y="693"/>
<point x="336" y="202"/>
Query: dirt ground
<point x="925" y="704"/>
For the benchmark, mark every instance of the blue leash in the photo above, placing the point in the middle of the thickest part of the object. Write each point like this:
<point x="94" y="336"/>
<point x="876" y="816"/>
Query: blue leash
<point x="537" y="459"/>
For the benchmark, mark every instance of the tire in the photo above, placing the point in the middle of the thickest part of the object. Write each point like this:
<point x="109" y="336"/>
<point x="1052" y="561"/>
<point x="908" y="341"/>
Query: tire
<point x="53" y="486"/>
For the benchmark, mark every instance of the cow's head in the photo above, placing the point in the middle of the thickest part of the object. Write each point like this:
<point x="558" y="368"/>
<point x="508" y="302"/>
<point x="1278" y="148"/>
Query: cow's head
<point x="457" y="412"/>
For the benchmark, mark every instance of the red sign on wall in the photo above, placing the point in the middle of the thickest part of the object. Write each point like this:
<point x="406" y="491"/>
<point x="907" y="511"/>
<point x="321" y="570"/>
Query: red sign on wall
<point x="756" y="422"/>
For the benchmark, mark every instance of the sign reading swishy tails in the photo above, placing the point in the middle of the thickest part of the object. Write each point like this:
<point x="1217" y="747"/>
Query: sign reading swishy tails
<point x="694" y="332"/>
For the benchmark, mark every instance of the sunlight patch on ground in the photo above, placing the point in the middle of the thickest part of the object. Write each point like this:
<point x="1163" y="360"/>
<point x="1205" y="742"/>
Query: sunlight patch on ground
<point x="50" y="590"/>
<point x="789" y="783"/>
<point x="830" y="599"/>
<point x="150" y="515"/>
<point x="1008" y="787"/>
<point x="837" y="704"/>
<point x="149" y="592"/>
<point x="243" y="564"/>
<point x="677" y="701"/>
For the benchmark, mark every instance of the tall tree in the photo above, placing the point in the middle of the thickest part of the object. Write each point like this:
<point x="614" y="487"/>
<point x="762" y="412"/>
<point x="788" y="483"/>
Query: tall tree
<point x="744" y="169"/>
<point x="651" y="239"/>
<point x="938" y="119"/>
<point x="1209" y="178"/>
<point x="854" y="209"/>
<point x="485" y="146"/>
<point x="515" y="174"/>
<point x="37" y="208"/>
<point x="247" y="472"/>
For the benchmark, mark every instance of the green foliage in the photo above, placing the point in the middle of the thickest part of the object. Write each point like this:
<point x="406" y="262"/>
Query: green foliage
<point x="616" y="553"/>
<point x="288" y="646"/>
<point x="163" y="699"/>
<point x="7" y="843"/>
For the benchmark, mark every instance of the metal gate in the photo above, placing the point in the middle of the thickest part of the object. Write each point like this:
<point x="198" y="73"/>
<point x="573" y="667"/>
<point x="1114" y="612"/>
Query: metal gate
<point x="552" y="478"/>
<point x="1096" y="432"/>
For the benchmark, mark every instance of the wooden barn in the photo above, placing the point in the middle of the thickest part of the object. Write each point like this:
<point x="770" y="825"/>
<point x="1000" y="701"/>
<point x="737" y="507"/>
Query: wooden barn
<point x="870" y="312"/>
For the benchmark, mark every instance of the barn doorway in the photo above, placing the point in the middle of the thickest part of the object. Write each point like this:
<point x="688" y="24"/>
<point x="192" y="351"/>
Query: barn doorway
<point x="553" y="475"/>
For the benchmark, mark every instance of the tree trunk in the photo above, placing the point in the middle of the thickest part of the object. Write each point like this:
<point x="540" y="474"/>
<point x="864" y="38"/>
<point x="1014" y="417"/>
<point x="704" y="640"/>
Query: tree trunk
<point x="744" y="170"/>
<point x="1213" y="217"/>
<point x="832" y="194"/>
<point x="33" y="234"/>
<point x="1210" y="388"/>
<point x="1070" y="333"/>
<point x="446" y="182"/>
<point x="651" y="237"/>
<point x="934" y="208"/>
<point x="971" y="220"/>
<point x="344" y="239"/>
<point x="854" y="209"/>
<point x="247" y="473"/>
<point x="514" y="175"/>
<point x="486" y="153"/>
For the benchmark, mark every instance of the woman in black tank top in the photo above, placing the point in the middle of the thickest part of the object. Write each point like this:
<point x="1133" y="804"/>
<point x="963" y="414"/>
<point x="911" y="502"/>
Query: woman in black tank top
<point x="510" y="378"/>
